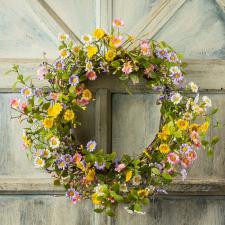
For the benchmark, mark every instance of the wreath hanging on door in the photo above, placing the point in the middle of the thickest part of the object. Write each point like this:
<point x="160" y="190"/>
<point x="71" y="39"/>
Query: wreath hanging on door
<point x="87" y="171"/>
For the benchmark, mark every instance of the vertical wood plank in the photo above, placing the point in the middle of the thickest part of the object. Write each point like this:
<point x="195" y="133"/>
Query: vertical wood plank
<point x="103" y="135"/>
<point x="103" y="119"/>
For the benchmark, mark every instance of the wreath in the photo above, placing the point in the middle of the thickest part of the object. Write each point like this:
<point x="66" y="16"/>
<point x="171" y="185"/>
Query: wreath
<point x="87" y="171"/>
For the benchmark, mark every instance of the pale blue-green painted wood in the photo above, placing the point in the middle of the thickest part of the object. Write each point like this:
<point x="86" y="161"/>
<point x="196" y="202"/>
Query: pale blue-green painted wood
<point x="197" y="29"/>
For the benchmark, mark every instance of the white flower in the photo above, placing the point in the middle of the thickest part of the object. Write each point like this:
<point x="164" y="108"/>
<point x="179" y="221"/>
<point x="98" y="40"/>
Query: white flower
<point x="39" y="162"/>
<point x="47" y="154"/>
<point x="86" y="38"/>
<point x="194" y="87"/>
<point x="54" y="142"/>
<point x="175" y="69"/>
<point x="196" y="99"/>
<point x="197" y="109"/>
<point x="63" y="37"/>
<point x="207" y="101"/>
<point x="139" y="212"/>
<point x="189" y="101"/>
<point x="188" y="116"/>
<point x="176" y="98"/>
<point x="128" y="210"/>
<point x="63" y="53"/>
<point x="89" y="66"/>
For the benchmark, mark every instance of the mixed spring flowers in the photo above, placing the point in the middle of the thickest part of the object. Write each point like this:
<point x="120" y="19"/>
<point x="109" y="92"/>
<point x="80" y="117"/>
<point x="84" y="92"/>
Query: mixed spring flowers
<point x="87" y="171"/>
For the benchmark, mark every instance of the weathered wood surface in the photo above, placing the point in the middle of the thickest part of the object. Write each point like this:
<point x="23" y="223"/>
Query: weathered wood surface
<point x="177" y="211"/>
<point x="197" y="29"/>
<point x="194" y="27"/>
<point x="44" y="210"/>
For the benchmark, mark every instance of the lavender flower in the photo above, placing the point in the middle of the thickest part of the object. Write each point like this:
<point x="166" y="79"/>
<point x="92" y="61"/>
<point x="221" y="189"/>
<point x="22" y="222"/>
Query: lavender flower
<point x="172" y="57"/>
<point x="161" y="53"/>
<point x="100" y="166"/>
<point x="74" y="80"/>
<point x="59" y="64"/>
<point x="91" y="145"/>
<point x="26" y="92"/>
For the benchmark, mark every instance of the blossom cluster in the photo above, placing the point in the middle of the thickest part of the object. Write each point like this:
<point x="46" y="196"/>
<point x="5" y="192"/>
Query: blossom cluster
<point x="85" y="170"/>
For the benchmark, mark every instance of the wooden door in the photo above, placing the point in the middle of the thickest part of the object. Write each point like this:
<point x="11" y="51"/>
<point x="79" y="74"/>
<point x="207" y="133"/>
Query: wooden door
<point x="116" y="120"/>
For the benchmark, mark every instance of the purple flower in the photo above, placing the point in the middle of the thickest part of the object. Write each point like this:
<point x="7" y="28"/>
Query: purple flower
<point x="41" y="72"/>
<point x="38" y="92"/>
<point x="185" y="148"/>
<point x="26" y="92"/>
<point x="59" y="65"/>
<point x="100" y="166"/>
<point x="161" y="53"/>
<point x="73" y="195"/>
<point x="74" y="80"/>
<point x="67" y="158"/>
<point x="172" y="57"/>
<point x="61" y="163"/>
<point x="91" y="145"/>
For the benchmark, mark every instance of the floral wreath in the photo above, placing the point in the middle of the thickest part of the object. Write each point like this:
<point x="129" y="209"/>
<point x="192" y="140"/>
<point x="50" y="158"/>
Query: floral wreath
<point x="85" y="170"/>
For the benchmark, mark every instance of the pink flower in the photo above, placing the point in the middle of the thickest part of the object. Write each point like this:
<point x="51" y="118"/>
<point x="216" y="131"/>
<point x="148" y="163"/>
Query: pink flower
<point x="80" y="89"/>
<point x="173" y="158"/>
<point x="23" y="106"/>
<point x="116" y="41"/>
<point x="148" y="70"/>
<point x="82" y="101"/>
<point x="118" y="23"/>
<point x="145" y="48"/>
<point x="54" y="96"/>
<point x="186" y="162"/>
<point x="195" y="138"/>
<point x="120" y="167"/>
<point x="14" y="103"/>
<point x="192" y="155"/>
<point x="91" y="75"/>
<point x="127" y="68"/>
<point x="77" y="158"/>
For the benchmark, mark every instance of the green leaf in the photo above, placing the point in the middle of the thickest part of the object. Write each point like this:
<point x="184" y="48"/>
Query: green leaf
<point x="215" y="139"/>
<point x="137" y="207"/>
<point x="166" y="176"/>
<point x="110" y="212"/>
<point x="123" y="77"/>
<point x="134" y="78"/>
<point x="56" y="182"/>
<point x="99" y="210"/>
<point x="155" y="171"/>
<point x="115" y="64"/>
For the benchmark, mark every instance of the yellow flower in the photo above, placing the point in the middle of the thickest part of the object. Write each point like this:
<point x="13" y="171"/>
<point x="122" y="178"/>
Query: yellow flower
<point x="55" y="110"/>
<point x="162" y="136"/>
<point x="95" y="199"/>
<point x="98" y="33"/>
<point x="26" y="141"/>
<point x="164" y="148"/>
<point x="182" y="124"/>
<point x="194" y="127"/>
<point x="143" y="193"/>
<point x="91" y="50"/>
<point x="129" y="174"/>
<point x="204" y="127"/>
<point x="69" y="115"/>
<point x="75" y="49"/>
<point x="91" y="175"/>
<point x="87" y="94"/>
<point x="110" y="55"/>
<point x="166" y="130"/>
<point x="48" y="122"/>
